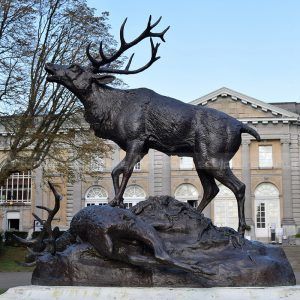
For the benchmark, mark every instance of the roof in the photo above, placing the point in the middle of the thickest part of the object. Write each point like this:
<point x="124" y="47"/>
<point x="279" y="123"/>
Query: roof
<point x="278" y="112"/>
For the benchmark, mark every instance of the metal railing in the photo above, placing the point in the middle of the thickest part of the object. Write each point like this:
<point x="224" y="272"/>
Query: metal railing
<point x="18" y="189"/>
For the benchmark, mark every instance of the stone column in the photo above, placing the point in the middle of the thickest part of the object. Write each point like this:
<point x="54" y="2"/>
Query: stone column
<point x="39" y="195"/>
<point x="115" y="156"/>
<point x="115" y="161"/>
<point x="151" y="172"/>
<point x="246" y="178"/>
<point x="37" y="177"/>
<point x="207" y="212"/>
<point x="166" y="175"/>
<point x="288" y="222"/>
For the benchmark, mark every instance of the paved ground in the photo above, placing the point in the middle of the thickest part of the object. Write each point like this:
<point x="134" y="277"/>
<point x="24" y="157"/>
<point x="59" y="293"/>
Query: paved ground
<point x="297" y="274"/>
<point x="11" y="279"/>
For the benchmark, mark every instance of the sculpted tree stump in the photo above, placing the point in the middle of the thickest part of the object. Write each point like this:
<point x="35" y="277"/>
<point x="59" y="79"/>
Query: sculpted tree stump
<point x="194" y="252"/>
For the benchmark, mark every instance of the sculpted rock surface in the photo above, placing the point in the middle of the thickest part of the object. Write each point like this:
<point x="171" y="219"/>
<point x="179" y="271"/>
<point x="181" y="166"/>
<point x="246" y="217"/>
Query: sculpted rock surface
<point x="193" y="252"/>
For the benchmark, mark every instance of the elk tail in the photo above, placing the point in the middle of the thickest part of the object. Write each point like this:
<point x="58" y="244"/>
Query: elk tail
<point x="246" y="129"/>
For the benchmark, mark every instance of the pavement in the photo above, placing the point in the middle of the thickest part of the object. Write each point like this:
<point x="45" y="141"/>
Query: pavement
<point x="12" y="279"/>
<point x="297" y="274"/>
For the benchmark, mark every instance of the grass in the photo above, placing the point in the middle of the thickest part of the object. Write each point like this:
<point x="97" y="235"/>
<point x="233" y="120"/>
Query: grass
<point x="2" y="291"/>
<point x="9" y="257"/>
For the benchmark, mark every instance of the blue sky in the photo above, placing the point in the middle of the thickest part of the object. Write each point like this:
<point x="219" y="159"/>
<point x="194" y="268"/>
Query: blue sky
<point x="252" y="46"/>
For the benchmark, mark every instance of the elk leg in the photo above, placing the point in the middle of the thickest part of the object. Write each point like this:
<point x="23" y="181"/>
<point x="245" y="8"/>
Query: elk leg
<point x="115" y="174"/>
<point x="133" y="155"/>
<point x="226" y="177"/>
<point x="210" y="189"/>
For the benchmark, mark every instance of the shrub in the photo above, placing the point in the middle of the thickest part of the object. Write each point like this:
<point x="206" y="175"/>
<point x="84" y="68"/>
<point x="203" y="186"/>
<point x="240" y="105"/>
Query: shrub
<point x="1" y="243"/>
<point x="10" y="241"/>
<point x="297" y="235"/>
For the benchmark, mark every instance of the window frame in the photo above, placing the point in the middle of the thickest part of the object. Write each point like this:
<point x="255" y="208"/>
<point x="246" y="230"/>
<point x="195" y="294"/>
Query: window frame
<point x="186" y="163"/>
<point x="137" y="167"/>
<point x="262" y="163"/>
<point x="17" y="189"/>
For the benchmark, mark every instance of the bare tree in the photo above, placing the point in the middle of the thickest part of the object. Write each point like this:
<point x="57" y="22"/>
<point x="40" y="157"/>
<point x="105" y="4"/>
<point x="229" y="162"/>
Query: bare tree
<point x="44" y="121"/>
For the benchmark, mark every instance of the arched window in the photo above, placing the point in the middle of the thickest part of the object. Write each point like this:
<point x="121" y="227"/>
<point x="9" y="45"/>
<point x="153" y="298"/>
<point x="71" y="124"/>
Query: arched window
<point x="133" y="195"/>
<point x="266" y="190"/>
<point x="186" y="192"/>
<point x="225" y="208"/>
<point x="267" y="209"/>
<point x="96" y="195"/>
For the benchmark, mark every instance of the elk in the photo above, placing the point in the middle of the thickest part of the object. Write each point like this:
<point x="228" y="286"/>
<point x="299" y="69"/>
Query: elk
<point x="140" y="119"/>
<point x="46" y="240"/>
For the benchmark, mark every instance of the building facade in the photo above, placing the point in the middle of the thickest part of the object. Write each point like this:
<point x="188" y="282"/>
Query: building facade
<point x="269" y="168"/>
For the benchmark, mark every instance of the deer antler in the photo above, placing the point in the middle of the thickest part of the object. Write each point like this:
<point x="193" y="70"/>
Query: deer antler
<point x="104" y="60"/>
<point x="40" y="241"/>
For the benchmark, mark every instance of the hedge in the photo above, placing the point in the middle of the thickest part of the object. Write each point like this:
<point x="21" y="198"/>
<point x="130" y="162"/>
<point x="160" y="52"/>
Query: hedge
<point x="1" y="243"/>
<point x="10" y="241"/>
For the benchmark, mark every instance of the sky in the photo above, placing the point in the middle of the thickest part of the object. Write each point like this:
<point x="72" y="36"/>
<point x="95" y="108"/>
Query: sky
<point x="251" y="46"/>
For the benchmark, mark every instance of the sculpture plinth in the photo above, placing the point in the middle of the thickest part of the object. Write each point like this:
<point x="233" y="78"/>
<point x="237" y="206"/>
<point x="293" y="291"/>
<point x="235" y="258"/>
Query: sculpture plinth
<point x="187" y="237"/>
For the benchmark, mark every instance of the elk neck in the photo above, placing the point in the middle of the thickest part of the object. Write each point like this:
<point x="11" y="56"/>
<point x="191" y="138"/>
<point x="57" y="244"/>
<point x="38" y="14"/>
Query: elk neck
<point x="102" y="105"/>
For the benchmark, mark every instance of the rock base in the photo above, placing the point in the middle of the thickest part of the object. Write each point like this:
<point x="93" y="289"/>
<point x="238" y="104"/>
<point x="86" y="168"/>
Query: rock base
<point x="188" y="237"/>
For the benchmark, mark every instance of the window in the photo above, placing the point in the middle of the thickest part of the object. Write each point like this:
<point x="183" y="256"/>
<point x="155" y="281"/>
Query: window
<point x="225" y="208"/>
<point x="133" y="195"/>
<point x="186" y="192"/>
<point x="96" y="195"/>
<point x="97" y="164"/>
<point x="265" y="157"/>
<point x="186" y="163"/>
<point x="260" y="216"/>
<point x="17" y="189"/>
<point x="13" y="221"/>
<point x="137" y="166"/>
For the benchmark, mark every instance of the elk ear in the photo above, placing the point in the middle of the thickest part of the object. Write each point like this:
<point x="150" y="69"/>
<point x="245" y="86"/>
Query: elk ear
<point x="103" y="79"/>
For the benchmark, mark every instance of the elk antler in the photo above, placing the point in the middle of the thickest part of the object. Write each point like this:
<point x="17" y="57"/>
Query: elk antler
<point x="40" y="241"/>
<point x="104" y="60"/>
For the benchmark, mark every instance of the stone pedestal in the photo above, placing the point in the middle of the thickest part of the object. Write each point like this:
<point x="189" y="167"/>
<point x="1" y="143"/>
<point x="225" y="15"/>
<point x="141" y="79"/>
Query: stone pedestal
<point x="110" y="293"/>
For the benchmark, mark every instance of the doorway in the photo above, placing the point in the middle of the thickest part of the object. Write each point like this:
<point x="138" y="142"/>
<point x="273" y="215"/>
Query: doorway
<point x="267" y="209"/>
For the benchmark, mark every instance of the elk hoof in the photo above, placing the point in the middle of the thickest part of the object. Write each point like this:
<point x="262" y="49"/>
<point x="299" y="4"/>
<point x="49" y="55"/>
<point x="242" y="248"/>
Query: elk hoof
<point x="117" y="203"/>
<point x="122" y="205"/>
<point x="113" y="202"/>
<point x="241" y="229"/>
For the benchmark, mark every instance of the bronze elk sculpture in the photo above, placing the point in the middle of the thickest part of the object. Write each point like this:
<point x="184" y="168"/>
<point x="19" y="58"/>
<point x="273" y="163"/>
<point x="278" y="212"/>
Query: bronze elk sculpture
<point x="140" y="119"/>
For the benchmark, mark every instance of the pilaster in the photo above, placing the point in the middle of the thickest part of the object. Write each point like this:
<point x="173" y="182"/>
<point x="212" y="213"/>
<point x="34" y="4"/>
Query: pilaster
<point x="246" y="178"/>
<point x="288" y="221"/>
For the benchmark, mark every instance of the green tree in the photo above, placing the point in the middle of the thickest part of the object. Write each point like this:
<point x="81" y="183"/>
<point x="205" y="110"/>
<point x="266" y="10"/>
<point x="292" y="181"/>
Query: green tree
<point x="43" y="120"/>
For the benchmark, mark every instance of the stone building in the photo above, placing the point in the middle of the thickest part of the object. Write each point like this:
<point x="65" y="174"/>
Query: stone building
<point x="270" y="170"/>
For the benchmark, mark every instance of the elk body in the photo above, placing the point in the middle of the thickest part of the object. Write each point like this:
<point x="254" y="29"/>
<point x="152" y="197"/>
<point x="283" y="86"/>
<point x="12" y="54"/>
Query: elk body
<point x="140" y="119"/>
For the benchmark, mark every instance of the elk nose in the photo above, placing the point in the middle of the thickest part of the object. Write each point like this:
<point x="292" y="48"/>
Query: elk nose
<point x="49" y="67"/>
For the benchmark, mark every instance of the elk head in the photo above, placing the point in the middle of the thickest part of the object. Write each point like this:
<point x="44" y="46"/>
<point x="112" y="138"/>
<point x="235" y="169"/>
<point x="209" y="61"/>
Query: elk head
<point x="78" y="78"/>
<point x="46" y="241"/>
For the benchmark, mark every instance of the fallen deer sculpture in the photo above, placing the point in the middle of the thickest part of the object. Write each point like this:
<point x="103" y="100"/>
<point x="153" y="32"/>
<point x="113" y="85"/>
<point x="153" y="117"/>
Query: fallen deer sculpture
<point x="105" y="227"/>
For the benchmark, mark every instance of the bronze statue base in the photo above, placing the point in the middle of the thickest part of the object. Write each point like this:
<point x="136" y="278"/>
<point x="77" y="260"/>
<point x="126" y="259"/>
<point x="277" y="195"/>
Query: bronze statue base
<point x="188" y="238"/>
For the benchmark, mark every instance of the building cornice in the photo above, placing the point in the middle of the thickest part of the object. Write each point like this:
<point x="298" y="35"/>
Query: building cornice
<point x="255" y="121"/>
<point x="246" y="100"/>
